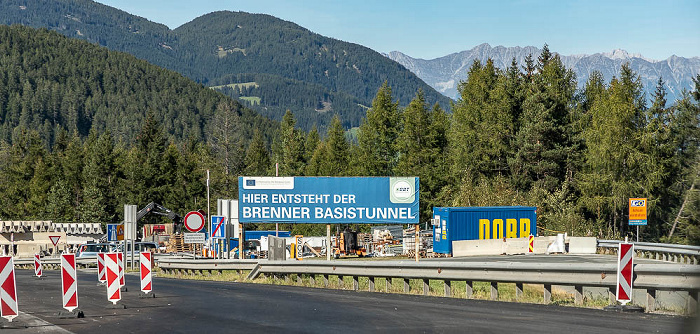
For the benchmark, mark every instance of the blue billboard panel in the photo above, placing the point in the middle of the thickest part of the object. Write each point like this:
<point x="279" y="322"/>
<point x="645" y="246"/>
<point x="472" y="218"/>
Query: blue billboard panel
<point x="324" y="200"/>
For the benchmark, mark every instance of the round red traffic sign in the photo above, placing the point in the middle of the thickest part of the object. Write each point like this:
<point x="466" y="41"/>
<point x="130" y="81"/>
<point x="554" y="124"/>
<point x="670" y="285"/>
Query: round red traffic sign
<point x="194" y="221"/>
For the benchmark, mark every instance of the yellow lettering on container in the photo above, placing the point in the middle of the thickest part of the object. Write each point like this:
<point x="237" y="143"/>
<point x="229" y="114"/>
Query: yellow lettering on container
<point x="511" y="228"/>
<point x="498" y="228"/>
<point x="524" y="227"/>
<point x="484" y="229"/>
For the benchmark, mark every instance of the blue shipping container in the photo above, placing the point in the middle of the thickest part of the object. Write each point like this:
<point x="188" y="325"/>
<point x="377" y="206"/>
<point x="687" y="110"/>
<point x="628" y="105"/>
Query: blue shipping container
<point x="475" y="223"/>
<point x="255" y="235"/>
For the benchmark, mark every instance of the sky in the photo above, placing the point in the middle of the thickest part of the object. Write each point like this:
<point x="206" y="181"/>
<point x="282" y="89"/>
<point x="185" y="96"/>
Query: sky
<point x="430" y="29"/>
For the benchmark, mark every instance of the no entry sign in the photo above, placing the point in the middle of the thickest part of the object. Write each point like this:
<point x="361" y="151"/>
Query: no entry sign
<point x="194" y="221"/>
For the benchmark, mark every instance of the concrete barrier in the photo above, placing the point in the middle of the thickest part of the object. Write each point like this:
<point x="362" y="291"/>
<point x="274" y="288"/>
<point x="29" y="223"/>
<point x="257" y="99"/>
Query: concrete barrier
<point x="499" y="246"/>
<point x="582" y="245"/>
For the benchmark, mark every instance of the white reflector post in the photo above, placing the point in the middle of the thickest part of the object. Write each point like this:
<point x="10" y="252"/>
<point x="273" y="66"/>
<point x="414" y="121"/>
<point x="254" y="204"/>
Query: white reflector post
<point x="69" y="282"/>
<point x="146" y="265"/>
<point x="37" y="266"/>
<point x="101" y="267"/>
<point x="8" y="289"/>
<point x="112" y="274"/>
<point x="625" y="272"/>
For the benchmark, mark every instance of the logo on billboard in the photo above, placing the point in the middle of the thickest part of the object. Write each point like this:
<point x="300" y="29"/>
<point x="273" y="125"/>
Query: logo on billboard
<point x="638" y="203"/>
<point x="402" y="189"/>
<point x="268" y="183"/>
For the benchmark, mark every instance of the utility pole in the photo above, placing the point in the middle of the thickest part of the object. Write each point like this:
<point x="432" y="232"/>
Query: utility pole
<point x="208" y="209"/>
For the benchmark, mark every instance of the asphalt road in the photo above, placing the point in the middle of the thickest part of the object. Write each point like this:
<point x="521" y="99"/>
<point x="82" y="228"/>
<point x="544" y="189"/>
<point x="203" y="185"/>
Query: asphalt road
<point x="184" y="306"/>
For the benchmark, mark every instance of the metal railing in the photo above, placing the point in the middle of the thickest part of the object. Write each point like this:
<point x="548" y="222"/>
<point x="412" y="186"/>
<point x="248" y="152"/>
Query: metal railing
<point x="666" y="252"/>
<point x="55" y="262"/>
<point x="651" y="277"/>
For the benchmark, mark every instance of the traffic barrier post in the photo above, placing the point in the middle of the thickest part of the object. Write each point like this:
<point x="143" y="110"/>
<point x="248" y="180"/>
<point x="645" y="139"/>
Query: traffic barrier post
<point x="8" y="289"/>
<point x="37" y="266"/>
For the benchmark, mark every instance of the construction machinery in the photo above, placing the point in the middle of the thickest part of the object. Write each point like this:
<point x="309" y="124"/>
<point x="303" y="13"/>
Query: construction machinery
<point x="346" y="244"/>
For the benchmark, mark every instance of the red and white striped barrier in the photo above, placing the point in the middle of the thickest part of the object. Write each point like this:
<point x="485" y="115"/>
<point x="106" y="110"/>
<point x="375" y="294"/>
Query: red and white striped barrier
<point x="146" y="266"/>
<point x="8" y="289"/>
<point x="69" y="282"/>
<point x="120" y="263"/>
<point x="101" y="268"/>
<point x="625" y="272"/>
<point x="37" y="266"/>
<point x="112" y="274"/>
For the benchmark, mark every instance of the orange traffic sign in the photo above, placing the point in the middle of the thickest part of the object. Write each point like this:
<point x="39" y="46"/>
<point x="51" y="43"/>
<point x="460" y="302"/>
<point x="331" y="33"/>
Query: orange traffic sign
<point x="638" y="211"/>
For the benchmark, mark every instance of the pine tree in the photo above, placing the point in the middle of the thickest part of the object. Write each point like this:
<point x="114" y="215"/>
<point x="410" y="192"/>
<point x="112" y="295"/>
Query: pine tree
<point x="257" y="159"/>
<point x="479" y="130"/>
<point x="376" y="155"/>
<point x="312" y="141"/>
<point x="289" y="147"/>
<point x="529" y="68"/>
<point x="337" y="148"/>
<point x="227" y="145"/>
<point x="421" y="147"/>
<point x="97" y="180"/>
<point x="543" y="143"/>
<point x="613" y="171"/>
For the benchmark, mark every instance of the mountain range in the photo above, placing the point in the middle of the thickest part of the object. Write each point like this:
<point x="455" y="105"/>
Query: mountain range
<point x="445" y="73"/>
<point x="269" y="64"/>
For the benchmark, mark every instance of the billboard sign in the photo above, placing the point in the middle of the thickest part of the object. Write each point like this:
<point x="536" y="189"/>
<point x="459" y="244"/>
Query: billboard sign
<point x="325" y="200"/>
<point x="638" y="211"/>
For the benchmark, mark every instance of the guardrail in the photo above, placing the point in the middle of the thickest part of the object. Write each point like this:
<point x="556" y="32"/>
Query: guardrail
<point x="50" y="263"/>
<point x="666" y="252"/>
<point x="651" y="277"/>
<point x="186" y="266"/>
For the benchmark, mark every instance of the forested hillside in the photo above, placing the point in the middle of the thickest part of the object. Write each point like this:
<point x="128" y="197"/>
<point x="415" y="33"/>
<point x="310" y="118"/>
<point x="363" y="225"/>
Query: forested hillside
<point x="84" y="130"/>
<point x="527" y="136"/>
<point x="520" y="136"/>
<point x="328" y="75"/>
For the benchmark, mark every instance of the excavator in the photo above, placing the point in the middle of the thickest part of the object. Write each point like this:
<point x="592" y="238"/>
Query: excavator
<point x="160" y="210"/>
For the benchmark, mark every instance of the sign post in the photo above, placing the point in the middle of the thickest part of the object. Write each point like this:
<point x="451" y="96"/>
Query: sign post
<point x="8" y="289"/>
<point x="130" y="230"/>
<point x="638" y="213"/>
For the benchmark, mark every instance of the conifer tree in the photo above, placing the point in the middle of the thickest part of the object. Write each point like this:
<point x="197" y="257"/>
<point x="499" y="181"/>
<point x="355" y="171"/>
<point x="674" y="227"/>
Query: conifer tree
<point x="257" y="158"/>
<point x="479" y="129"/>
<point x="289" y="147"/>
<point x="543" y="143"/>
<point x="376" y="155"/>
<point x="337" y="150"/>
<point x="613" y="170"/>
